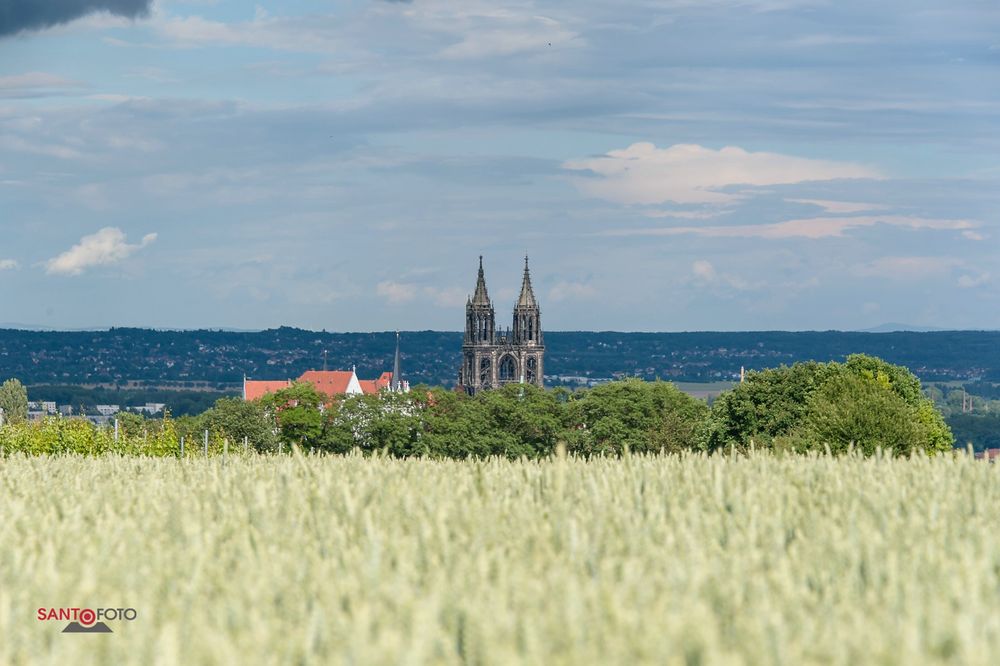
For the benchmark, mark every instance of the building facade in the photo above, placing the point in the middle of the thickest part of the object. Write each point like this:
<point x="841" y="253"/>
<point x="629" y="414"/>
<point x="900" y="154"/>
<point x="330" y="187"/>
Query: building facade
<point x="491" y="357"/>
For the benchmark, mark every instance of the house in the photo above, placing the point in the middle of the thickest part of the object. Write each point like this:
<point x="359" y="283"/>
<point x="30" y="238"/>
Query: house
<point x="332" y="383"/>
<point x="335" y="383"/>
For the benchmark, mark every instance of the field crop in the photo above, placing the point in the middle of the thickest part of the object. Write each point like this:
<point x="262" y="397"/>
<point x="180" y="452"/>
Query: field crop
<point x="350" y="560"/>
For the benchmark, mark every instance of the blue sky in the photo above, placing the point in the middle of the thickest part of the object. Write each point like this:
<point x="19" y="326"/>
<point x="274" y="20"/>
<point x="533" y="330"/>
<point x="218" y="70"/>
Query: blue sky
<point x="670" y="165"/>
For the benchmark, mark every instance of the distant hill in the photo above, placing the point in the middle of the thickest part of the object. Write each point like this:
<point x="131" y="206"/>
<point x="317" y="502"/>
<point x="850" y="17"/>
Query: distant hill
<point x="218" y="360"/>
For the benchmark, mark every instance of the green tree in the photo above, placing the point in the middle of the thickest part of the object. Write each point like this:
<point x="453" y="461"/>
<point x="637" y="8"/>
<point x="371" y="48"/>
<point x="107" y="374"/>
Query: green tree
<point x="643" y="416"/>
<point x="14" y="401"/>
<point x="130" y="424"/>
<point x="524" y="420"/>
<point x="388" y="422"/>
<point x="852" y="410"/>
<point x="236" y="419"/>
<point x="937" y="436"/>
<point x="337" y="432"/>
<point x="297" y="412"/>
<point x="982" y="432"/>
<point x="456" y="426"/>
<point x="767" y="404"/>
<point x="392" y="423"/>
<point x="813" y="405"/>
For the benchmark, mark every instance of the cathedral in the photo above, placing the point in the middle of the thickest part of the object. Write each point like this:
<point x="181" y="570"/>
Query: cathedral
<point x="492" y="358"/>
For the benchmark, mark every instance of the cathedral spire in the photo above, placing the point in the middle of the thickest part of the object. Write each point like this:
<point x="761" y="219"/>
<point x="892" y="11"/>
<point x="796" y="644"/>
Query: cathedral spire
<point x="481" y="297"/>
<point x="396" y="385"/>
<point x="527" y="298"/>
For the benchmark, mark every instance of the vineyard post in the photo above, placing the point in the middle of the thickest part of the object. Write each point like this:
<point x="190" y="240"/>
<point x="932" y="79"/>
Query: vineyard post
<point x="225" y="446"/>
<point x="206" y="442"/>
<point x="116" y="431"/>
<point x="182" y="446"/>
<point x="246" y="444"/>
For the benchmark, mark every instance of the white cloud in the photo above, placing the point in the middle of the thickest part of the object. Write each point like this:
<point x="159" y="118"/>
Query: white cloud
<point x="107" y="246"/>
<point x="815" y="227"/>
<point x="33" y="84"/>
<point x="703" y="270"/>
<point x="472" y="29"/>
<point x="908" y="268"/>
<point x="839" y="207"/>
<point x="449" y="297"/>
<point x="396" y="292"/>
<point x="571" y="291"/>
<point x="16" y="143"/>
<point x="491" y="32"/>
<point x="973" y="280"/>
<point x="684" y="214"/>
<point x="705" y="275"/>
<point x="828" y="40"/>
<point x="693" y="174"/>
<point x="9" y="265"/>
<point x="284" y="34"/>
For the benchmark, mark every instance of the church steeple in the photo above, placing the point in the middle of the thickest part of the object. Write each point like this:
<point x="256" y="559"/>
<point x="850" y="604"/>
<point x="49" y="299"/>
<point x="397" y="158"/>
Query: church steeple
<point x="480" y="320"/>
<point x="527" y="298"/>
<point x="396" y="385"/>
<point x="527" y="314"/>
<point x="481" y="297"/>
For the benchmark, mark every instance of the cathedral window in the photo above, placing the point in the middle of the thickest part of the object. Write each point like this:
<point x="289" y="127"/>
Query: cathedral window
<point x="485" y="372"/>
<point x="508" y="370"/>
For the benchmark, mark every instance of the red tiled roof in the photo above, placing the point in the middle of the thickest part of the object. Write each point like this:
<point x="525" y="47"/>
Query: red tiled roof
<point x="373" y="386"/>
<point x="332" y="383"/>
<point x="258" y="389"/>
<point x="329" y="382"/>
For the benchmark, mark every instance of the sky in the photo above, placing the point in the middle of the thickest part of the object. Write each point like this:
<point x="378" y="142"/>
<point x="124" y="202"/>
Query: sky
<point x="668" y="165"/>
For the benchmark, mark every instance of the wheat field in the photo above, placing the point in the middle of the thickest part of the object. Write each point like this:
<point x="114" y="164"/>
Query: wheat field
<point x="346" y="560"/>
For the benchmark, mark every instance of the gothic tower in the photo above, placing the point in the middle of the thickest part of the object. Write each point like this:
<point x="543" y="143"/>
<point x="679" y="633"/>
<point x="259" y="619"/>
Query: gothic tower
<point x="492" y="358"/>
<point x="528" y="332"/>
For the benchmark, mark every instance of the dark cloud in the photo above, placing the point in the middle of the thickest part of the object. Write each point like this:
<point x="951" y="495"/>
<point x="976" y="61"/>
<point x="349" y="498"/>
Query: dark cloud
<point x="21" y="15"/>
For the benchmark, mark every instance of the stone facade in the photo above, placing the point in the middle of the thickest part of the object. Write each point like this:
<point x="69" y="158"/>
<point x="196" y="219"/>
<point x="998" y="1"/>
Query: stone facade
<point x="491" y="357"/>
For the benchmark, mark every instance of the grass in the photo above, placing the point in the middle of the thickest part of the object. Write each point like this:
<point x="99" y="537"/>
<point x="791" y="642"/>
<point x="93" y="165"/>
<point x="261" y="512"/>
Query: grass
<point x="666" y="560"/>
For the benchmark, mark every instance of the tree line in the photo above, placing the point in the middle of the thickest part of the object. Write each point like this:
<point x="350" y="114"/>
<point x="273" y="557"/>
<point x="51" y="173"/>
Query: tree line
<point x="864" y="404"/>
